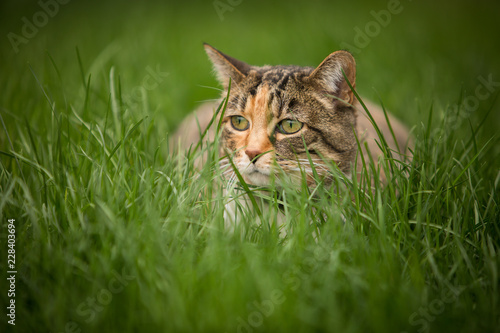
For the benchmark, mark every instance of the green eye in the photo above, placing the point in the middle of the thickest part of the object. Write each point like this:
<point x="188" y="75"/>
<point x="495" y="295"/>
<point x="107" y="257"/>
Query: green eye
<point x="239" y="123"/>
<point x="289" y="126"/>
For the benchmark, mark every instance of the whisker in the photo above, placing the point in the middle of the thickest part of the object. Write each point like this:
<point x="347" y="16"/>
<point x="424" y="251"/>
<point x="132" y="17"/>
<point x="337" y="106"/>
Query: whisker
<point x="210" y="100"/>
<point x="214" y="88"/>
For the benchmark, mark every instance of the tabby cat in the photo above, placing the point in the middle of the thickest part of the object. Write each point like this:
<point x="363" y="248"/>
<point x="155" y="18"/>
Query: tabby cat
<point x="279" y="118"/>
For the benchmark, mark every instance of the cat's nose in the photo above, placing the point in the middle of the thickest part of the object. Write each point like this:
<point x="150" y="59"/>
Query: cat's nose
<point x="253" y="154"/>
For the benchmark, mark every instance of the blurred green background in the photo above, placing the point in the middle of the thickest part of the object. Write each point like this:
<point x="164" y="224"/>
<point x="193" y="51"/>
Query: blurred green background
<point x="99" y="212"/>
<point x="430" y="52"/>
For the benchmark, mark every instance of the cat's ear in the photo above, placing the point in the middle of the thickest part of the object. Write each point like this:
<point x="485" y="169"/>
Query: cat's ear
<point x="329" y="77"/>
<point x="227" y="67"/>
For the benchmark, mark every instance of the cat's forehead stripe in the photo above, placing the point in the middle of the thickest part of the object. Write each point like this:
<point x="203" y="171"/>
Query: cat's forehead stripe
<point x="261" y="100"/>
<point x="253" y="89"/>
<point x="284" y="81"/>
<point x="243" y="102"/>
<point x="266" y="91"/>
<point x="278" y="77"/>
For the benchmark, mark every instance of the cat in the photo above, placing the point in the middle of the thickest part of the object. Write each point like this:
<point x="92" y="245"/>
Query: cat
<point x="279" y="118"/>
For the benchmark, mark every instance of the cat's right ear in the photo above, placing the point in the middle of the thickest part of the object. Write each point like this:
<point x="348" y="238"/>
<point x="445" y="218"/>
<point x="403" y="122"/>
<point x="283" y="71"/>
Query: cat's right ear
<point x="329" y="77"/>
<point x="227" y="67"/>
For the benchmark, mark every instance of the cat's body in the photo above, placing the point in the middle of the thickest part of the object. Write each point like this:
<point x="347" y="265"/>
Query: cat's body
<point x="279" y="118"/>
<point x="278" y="115"/>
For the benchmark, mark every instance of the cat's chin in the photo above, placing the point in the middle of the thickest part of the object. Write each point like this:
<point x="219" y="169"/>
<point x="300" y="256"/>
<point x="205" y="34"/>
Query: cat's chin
<point x="257" y="178"/>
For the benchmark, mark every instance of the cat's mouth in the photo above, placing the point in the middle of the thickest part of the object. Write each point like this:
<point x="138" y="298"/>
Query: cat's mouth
<point x="256" y="176"/>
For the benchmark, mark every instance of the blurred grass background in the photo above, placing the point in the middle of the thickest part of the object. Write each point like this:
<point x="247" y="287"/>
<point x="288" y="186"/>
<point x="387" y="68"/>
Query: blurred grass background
<point x="83" y="214"/>
<point x="428" y="54"/>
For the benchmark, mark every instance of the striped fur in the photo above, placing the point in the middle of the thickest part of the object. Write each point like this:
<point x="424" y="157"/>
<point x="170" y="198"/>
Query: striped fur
<point x="267" y="95"/>
<point x="320" y="98"/>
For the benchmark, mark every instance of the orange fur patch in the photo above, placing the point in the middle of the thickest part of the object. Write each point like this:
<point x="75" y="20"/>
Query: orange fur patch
<point x="258" y="113"/>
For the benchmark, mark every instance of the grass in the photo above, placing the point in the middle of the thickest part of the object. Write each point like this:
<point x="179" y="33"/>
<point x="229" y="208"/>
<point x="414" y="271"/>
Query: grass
<point x="117" y="233"/>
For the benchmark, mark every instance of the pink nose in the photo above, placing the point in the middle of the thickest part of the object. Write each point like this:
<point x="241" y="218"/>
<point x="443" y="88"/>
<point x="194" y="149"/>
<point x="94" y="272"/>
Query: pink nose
<point x="253" y="154"/>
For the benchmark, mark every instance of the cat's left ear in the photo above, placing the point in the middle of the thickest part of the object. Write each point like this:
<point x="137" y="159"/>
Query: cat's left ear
<point x="328" y="75"/>
<point x="227" y="67"/>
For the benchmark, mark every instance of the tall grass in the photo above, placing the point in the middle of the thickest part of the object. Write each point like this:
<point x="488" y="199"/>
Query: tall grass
<point x="98" y="196"/>
<point x="117" y="231"/>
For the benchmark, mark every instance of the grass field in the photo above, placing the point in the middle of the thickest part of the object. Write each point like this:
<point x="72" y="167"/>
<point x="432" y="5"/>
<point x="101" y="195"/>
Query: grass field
<point x="115" y="233"/>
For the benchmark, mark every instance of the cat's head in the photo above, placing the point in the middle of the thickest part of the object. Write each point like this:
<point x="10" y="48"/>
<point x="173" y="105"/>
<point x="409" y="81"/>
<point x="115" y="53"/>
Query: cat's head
<point x="276" y="115"/>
